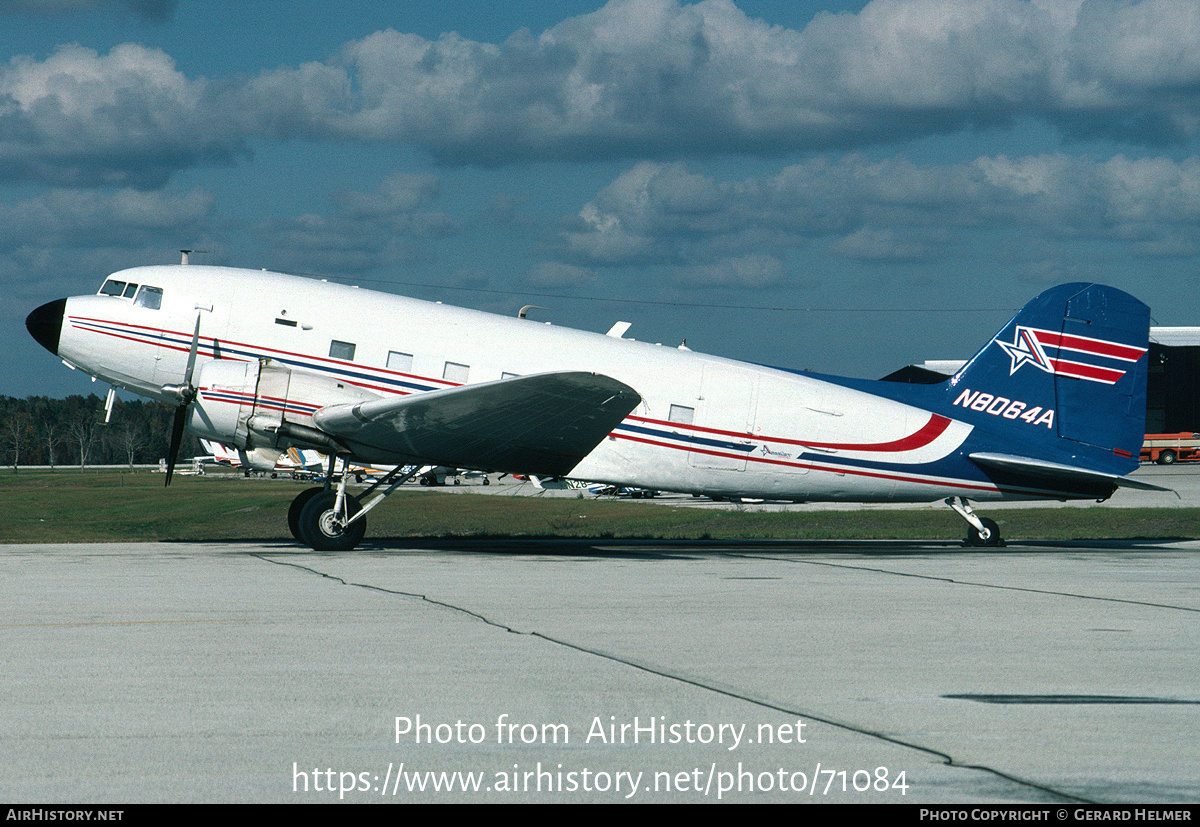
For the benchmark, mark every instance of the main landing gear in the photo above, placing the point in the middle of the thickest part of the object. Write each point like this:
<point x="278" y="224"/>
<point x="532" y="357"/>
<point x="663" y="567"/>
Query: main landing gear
<point x="329" y="519"/>
<point x="324" y="520"/>
<point x="981" y="531"/>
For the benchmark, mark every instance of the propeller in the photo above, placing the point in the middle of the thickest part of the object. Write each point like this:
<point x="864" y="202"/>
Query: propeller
<point x="187" y="394"/>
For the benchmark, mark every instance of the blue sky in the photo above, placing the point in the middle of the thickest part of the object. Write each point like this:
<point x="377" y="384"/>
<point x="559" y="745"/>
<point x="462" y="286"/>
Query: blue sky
<point x="841" y="186"/>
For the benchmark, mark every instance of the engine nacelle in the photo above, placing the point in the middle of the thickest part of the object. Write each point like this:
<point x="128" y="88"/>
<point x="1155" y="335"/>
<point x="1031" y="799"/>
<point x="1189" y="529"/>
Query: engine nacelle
<point x="262" y="407"/>
<point x="224" y="401"/>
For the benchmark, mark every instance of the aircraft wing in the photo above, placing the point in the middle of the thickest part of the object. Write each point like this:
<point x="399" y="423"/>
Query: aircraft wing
<point x="1057" y="474"/>
<point x="540" y="424"/>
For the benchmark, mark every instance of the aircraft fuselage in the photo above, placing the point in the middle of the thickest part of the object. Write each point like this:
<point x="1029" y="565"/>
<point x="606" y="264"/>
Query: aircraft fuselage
<point x="705" y="425"/>
<point x="1052" y="406"/>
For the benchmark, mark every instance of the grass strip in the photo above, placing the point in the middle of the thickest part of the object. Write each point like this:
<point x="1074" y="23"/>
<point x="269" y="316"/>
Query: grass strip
<point x="106" y="505"/>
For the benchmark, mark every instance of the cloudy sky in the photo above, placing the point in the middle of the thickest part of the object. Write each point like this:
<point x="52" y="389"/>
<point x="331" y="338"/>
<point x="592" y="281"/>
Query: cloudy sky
<point x="836" y="185"/>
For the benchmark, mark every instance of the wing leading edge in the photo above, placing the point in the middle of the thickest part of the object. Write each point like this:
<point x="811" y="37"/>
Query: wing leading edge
<point x="541" y="424"/>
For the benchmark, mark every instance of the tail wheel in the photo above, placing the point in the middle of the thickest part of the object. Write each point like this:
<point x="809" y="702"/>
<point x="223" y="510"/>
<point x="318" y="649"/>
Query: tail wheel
<point x="322" y="526"/>
<point x="976" y="538"/>
<point x="294" y="512"/>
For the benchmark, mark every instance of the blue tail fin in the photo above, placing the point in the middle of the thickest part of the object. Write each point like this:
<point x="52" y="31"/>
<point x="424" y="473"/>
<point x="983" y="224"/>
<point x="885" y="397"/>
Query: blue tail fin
<point x="1072" y="366"/>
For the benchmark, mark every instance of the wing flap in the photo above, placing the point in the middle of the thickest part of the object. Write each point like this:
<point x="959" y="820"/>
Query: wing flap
<point x="540" y="424"/>
<point x="1068" y="478"/>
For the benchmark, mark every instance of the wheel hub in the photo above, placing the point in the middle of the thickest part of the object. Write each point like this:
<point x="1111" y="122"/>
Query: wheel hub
<point x="331" y="524"/>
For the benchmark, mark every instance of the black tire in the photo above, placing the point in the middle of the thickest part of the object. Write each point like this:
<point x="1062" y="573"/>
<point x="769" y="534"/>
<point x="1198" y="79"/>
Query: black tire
<point x="1167" y="457"/>
<point x="321" y="532"/>
<point x="993" y="539"/>
<point x="294" y="512"/>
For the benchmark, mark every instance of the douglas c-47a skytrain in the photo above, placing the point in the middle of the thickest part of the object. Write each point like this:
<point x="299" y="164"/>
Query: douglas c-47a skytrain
<point x="1052" y="407"/>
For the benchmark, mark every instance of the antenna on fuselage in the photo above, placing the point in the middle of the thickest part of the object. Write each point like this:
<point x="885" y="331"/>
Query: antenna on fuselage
<point x="184" y="256"/>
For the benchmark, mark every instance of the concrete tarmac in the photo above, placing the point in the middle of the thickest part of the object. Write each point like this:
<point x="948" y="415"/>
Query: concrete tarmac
<point x="601" y="671"/>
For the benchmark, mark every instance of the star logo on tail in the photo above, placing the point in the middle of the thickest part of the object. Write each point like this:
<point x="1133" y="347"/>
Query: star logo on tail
<point x="1026" y="348"/>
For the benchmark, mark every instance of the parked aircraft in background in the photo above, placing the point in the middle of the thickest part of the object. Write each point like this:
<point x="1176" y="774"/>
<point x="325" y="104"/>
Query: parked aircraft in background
<point x="1053" y="406"/>
<point x="295" y="462"/>
<point x="309" y="464"/>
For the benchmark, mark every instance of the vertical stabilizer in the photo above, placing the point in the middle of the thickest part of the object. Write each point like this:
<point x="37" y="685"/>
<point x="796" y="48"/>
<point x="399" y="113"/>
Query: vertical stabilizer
<point x="1070" y="366"/>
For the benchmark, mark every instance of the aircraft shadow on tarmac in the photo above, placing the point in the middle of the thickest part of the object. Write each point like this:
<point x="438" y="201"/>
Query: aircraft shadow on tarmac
<point x="674" y="549"/>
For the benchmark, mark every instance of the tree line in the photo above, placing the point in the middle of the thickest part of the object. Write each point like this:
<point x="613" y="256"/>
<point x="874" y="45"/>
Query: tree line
<point x="72" y="431"/>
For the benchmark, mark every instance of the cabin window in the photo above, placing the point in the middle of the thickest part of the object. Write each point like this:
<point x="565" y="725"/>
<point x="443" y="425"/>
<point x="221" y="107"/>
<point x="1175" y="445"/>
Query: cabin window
<point x="341" y="350"/>
<point x="149" y="297"/>
<point x="682" y="414"/>
<point x="400" y="361"/>
<point x="456" y="372"/>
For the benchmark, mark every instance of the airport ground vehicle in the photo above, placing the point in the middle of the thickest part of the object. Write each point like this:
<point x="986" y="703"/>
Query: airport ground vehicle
<point x="1167" y="449"/>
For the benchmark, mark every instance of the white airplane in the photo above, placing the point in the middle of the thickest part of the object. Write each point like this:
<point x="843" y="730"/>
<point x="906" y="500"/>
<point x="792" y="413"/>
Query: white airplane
<point x="1052" y="407"/>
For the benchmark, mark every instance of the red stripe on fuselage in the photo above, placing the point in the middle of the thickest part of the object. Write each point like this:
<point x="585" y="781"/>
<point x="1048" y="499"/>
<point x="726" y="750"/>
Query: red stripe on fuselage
<point x="927" y="433"/>
<point x="857" y="472"/>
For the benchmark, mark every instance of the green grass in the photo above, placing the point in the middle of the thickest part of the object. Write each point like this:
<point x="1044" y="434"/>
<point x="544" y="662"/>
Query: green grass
<point x="70" y="505"/>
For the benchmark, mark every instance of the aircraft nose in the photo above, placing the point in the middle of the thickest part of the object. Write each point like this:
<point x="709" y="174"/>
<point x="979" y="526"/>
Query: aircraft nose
<point x="45" y="324"/>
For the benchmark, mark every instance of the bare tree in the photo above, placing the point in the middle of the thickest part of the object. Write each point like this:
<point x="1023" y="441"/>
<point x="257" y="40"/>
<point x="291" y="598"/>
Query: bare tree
<point x="131" y="437"/>
<point x="51" y="436"/>
<point x="84" y="430"/>
<point x="17" y="431"/>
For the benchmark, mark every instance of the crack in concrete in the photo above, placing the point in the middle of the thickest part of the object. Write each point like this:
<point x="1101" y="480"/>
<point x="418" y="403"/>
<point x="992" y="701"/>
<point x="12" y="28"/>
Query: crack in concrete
<point x="977" y="583"/>
<point x="946" y="759"/>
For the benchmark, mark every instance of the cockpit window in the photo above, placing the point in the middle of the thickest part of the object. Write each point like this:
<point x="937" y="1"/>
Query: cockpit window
<point x="149" y="297"/>
<point x="113" y="287"/>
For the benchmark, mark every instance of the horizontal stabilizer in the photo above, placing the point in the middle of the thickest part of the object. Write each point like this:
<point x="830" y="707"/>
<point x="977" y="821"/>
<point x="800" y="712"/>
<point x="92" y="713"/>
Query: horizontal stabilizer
<point x="1068" y="478"/>
<point x="541" y="424"/>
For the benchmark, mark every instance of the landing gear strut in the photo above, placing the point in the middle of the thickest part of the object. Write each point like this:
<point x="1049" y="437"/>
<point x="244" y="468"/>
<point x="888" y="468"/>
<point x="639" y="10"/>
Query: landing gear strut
<point x="981" y="531"/>
<point x="326" y="519"/>
<point x="323" y="518"/>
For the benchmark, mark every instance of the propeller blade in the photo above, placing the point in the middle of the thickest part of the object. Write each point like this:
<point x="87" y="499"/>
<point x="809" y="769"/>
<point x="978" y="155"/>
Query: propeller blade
<point x="187" y="393"/>
<point x="181" y="413"/>
<point x="191" y="362"/>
